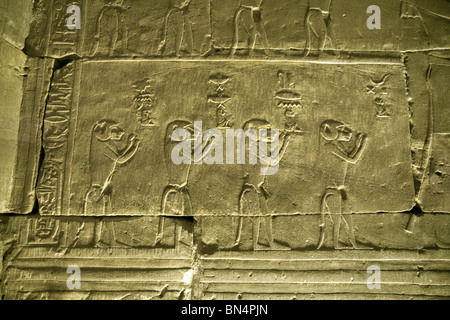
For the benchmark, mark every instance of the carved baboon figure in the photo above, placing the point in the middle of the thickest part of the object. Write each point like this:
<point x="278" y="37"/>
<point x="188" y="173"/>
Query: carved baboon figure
<point x="341" y="142"/>
<point x="254" y="194"/>
<point x="107" y="145"/>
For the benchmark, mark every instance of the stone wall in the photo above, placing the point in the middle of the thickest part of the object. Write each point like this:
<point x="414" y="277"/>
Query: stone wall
<point x="346" y="196"/>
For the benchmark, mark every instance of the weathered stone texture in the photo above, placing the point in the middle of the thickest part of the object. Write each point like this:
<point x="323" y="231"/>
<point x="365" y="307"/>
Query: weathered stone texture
<point x="15" y="17"/>
<point x="25" y="83"/>
<point x="87" y="124"/>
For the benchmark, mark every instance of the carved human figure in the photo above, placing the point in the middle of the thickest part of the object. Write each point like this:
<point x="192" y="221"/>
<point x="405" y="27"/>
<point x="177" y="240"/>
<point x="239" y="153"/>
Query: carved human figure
<point x="316" y="24"/>
<point x="176" y="199"/>
<point x="111" y="25"/>
<point x="345" y="148"/>
<point x="45" y="227"/>
<point x="254" y="194"/>
<point x="249" y="18"/>
<point x="288" y="99"/>
<point x="108" y="150"/>
<point x="223" y="117"/>
<point x="178" y="14"/>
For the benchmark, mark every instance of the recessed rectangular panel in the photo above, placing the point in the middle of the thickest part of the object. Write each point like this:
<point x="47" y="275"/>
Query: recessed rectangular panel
<point x="114" y="148"/>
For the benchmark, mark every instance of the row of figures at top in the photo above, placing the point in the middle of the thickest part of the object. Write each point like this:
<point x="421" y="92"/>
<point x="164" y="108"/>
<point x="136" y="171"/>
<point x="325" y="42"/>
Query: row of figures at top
<point x="287" y="97"/>
<point x="248" y="27"/>
<point x="177" y="36"/>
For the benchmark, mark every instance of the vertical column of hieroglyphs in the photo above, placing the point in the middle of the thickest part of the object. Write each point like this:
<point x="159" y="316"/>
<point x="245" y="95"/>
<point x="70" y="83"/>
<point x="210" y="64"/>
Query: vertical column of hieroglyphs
<point x="55" y="135"/>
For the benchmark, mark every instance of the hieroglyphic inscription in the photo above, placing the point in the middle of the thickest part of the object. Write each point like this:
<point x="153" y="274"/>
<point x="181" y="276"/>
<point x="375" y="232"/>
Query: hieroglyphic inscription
<point x="111" y="27"/>
<point x="289" y="100"/>
<point x="55" y="137"/>
<point x="144" y="103"/>
<point x="343" y="99"/>
<point x="219" y="99"/>
<point x="43" y="231"/>
<point x="379" y="90"/>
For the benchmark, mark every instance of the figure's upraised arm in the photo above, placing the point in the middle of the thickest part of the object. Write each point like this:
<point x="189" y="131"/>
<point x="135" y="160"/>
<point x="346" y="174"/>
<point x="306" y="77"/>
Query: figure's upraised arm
<point x="353" y="156"/>
<point x="113" y="150"/>
<point x="129" y="151"/>
<point x="360" y="142"/>
<point x="283" y="142"/>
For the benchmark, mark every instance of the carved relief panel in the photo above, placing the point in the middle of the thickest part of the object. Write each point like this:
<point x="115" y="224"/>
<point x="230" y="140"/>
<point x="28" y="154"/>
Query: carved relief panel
<point x="326" y="143"/>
